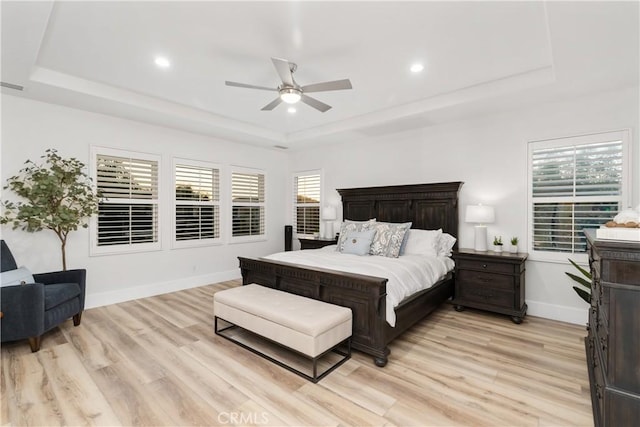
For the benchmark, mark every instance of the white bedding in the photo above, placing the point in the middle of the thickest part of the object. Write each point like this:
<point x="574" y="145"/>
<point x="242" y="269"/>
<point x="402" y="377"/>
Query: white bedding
<point x="406" y="274"/>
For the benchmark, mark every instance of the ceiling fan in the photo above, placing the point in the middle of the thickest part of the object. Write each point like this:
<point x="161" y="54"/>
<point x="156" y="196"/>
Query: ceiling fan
<point x="291" y="92"/>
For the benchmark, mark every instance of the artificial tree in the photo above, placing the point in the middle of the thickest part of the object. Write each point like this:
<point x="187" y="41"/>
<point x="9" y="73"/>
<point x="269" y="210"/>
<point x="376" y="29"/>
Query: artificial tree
<point x="59" y="196"/>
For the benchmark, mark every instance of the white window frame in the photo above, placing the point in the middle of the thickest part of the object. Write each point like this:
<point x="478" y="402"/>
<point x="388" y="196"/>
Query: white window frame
<point x="93" y="223"/>
<point x="294" y="193"/>
<point x="178" y="244"/>
<point x="585" y="139"/>
<point x="263" y="205"/>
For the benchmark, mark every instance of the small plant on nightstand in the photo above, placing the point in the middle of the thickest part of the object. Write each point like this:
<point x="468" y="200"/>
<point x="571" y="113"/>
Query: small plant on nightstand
<point x="514" y="245"/>
<point x="497" y="243"/>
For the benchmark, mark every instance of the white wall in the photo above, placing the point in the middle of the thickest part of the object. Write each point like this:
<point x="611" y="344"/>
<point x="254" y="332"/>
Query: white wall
<point x="490" y="155"/>
<point x="29" y="128"/>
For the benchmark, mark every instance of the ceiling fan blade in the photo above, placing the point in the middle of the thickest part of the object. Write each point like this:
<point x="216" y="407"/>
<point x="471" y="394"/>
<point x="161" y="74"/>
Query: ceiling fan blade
<point x="273" y="104"/>
<point x="228" y="83"/>
<point x="325" y="86"/>
<point x="320" y="106"/>
<point x="284" y="71"/>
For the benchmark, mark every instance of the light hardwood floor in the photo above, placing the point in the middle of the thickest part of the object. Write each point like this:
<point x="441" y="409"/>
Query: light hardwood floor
<point x="156" y="361"/>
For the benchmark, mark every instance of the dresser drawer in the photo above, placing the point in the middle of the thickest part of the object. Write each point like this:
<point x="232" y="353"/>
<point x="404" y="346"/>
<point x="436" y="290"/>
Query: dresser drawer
<point x="490" y="266"/>
<point x="490" y="296"/>
<point x="602" y="344"/>
<point x="598" y="387"/>
<point x="482" y="279"/>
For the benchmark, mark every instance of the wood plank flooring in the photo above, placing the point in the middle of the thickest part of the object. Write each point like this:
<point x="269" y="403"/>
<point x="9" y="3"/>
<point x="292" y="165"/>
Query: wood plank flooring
<point x="157" y="361"/>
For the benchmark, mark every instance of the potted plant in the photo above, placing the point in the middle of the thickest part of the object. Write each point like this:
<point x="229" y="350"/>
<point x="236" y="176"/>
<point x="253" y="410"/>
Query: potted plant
<point x="584" y="282"/>
<point x="497" y="243"/>
<point x="59" y="196"/>
<point x="514" y="245"/>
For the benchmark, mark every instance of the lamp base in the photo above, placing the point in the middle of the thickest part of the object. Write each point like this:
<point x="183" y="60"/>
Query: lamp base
<point x="328" y="230"/>
<point x="480" y="243"/>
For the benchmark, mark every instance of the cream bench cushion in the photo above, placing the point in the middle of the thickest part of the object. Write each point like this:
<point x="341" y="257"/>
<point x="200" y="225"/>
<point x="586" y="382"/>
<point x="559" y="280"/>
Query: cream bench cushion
<point x="303" y="324"/>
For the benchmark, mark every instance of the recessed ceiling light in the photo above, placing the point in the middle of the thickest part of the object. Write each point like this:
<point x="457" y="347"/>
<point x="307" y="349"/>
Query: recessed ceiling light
<point x="291" y="110"/>
<point x="416" y="68"/>
<point x="162" y="62"/>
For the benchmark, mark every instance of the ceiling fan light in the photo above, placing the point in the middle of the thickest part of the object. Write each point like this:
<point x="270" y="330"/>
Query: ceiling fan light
<point x="290" y="95"/>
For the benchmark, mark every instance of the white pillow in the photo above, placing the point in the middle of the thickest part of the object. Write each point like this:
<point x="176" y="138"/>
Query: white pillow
<point x="422" y="242"/>
<point x="19" y="276"/>
<point x="445" y="244"/>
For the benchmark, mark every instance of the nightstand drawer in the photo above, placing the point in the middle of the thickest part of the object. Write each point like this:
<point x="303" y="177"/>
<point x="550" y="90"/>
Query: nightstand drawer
<point x="495" y="297"/>
<point x="494" y="267"/>
<point x="480" y="279"/>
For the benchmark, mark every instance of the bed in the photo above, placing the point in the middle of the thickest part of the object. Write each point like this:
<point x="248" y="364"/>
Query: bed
<point x="428" y="207"/>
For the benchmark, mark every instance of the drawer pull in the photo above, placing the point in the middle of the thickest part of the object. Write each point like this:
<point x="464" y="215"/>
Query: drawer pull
<point x="484" y="279"/>
<point x="484" y="265"/>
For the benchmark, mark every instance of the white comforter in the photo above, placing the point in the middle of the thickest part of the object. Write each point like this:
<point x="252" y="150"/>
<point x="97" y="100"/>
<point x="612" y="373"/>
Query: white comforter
<point x="406" y="274"/>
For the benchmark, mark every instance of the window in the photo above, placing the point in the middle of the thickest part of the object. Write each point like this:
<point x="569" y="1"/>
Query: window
<point x="575" y="183"/>
<point x="196" y="202"/>
<point x="247" y="204"/>
<point x="128" y="213"/>
<point x="306" y="203"/>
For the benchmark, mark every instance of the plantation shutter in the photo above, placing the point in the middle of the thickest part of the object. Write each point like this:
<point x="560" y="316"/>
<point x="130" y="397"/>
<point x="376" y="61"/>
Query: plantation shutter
<point x="574" y="187"/>
<point x="197" y="202"/>
<point x="248" y="204"/>
<point x="128" y="213"/>
<point x="306" y="202"/>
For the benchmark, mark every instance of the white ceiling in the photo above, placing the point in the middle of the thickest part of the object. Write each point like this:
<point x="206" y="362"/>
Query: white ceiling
<point x="479" y="57"/>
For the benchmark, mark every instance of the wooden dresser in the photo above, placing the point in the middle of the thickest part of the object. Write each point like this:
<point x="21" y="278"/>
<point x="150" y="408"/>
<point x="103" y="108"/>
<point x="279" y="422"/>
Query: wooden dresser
<point x="613" y="340"/>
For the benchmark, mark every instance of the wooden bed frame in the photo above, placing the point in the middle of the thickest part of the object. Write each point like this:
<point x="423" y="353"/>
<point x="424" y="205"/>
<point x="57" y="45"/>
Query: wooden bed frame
<point x="428" y="207"/>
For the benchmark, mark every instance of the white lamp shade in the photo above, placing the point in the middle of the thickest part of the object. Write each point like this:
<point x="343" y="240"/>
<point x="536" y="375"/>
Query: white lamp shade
<point x="480" y="214"/>
<point x="329" y="213"/>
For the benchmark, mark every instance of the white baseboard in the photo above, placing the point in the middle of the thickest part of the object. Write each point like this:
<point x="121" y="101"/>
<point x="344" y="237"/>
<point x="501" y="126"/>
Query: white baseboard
<point x="114" y="297"/>
<point x="573" y="315"/>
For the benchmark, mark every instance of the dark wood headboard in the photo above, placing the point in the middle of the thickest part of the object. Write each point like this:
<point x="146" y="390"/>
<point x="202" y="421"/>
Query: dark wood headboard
<point x="427" y="206"/>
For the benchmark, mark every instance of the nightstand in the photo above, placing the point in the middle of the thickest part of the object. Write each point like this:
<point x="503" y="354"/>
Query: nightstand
<point x="492" y="281"/>
<point x="316" y="243"/>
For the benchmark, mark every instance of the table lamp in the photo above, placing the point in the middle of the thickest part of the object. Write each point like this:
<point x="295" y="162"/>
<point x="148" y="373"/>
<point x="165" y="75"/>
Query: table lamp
<point x="480" y="215"/>
<point x="329" y="214"/>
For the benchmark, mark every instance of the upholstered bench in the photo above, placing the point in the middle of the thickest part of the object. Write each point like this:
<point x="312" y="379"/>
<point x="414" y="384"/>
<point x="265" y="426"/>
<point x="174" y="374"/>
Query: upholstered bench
<point x="308" y="327"/>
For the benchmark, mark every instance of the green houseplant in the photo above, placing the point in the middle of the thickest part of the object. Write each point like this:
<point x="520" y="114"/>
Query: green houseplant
<point x="59" y="197"/>
<point x="514" y="245"/>
<point x="585" y="282"/>
<point x="497" y="243"/>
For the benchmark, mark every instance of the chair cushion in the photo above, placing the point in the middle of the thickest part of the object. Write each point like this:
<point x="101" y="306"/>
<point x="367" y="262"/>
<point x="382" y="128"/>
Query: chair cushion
<point x="59" y="293"/>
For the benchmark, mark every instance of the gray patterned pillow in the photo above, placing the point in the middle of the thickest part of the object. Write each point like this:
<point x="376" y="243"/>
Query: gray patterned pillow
<point x="350" y="226"/>
<point x="388" y="238"/>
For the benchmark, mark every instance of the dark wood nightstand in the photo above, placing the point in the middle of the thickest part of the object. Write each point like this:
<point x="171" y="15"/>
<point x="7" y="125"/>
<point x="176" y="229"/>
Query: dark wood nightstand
<point x="316" y="243"/>
<point x="492" y="281"/>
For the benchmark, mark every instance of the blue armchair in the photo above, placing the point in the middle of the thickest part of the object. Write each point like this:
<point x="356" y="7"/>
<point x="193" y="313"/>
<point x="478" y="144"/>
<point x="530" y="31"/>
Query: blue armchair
<point x="31" y="309"/>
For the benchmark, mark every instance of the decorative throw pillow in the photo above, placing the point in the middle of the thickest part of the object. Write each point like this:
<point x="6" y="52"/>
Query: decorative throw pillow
<point x="358" y="242"/>
<point x="19" y="276"/>
<point x="348" y="226"/>
<point x="388" y="238"/>
<point x="422" y="242"/>
<point x="445" y="244"/>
